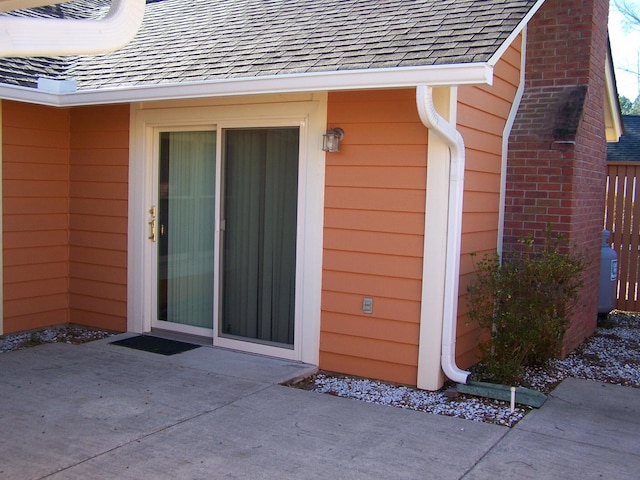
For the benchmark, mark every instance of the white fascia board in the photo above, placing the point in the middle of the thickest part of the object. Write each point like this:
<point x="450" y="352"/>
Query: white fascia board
<point x="437" y="75"/>
<point x="516" y="31"/>
<point x="612" y="114"/>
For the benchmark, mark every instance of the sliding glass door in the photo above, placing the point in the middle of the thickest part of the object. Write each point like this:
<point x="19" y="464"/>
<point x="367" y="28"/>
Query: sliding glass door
<point x="260" y="212"/>
<point x="185" y="228"/>
<point x="255" y="271"/>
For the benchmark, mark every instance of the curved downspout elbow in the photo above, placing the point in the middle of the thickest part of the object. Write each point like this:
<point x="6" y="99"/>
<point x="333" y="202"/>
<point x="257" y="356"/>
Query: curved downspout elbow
<point x="433" y="121"/>
<point x="30" y="37"/>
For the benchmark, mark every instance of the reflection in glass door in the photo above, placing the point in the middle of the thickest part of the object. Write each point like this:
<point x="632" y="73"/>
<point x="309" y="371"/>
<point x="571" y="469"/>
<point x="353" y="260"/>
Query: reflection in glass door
<point x="186" y="228"/>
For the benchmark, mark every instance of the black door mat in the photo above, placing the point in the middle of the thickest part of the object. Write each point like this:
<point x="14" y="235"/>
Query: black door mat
<point x="151" y="344"/>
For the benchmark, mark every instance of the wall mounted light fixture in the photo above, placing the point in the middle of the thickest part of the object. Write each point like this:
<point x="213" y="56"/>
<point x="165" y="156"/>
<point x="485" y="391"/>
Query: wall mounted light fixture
<point x="331" y="140"/>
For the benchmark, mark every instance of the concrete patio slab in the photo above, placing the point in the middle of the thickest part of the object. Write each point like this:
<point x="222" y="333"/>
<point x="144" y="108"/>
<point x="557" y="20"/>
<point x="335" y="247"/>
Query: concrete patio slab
<point x="585" y="430"/>
<point x="103" y="411"/>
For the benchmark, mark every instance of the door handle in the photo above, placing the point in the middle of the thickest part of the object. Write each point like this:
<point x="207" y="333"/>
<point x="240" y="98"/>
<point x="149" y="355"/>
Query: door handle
<point x="152" y="225"/>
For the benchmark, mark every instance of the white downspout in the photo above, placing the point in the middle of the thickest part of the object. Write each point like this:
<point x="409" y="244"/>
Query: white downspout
<point x="433" y="121"/>
<point x="30" y="37"/>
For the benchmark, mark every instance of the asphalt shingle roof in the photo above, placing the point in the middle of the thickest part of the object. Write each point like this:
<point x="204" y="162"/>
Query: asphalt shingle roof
<point x="627" y="149"/>
<point x="199" y="40"/>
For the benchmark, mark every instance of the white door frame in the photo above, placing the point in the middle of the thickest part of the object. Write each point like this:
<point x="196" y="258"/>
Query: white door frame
<point x="306" y="111"/>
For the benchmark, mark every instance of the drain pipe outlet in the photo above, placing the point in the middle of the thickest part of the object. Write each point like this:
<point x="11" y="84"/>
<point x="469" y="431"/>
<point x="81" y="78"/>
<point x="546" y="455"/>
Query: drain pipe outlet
<point x="31" y="37"/>
<point x="433" y="121"/>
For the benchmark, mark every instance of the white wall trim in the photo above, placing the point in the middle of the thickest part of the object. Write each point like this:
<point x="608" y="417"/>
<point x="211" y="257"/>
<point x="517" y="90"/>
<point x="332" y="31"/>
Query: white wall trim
<point x="506" y="133"/>
<point x="430" y="375"/>
<point x="434" y="75"/>
<point x="309" y="112"/>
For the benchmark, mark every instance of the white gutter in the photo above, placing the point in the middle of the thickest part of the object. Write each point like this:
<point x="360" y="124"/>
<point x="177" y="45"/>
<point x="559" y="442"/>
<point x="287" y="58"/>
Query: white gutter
<point x="31" y="37"/>
<point x="433" y="121"/>
<point x="407" y="77"/>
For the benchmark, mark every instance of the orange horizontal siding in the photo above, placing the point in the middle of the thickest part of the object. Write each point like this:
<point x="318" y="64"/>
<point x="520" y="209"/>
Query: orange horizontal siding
<point x="97" y="319"/>
<point x="39" y="271"/>
<point x="376" y="177"/>
<point x="98" y="289"/>
<point x="35" y="189"/>
<point x="34" y="289"/>
<point x="35" y="172"/>
<point x="479" y="221"/>
<point x="98" y="190"/>
<point x="101" y="257"/>
<point x="99" y="208"/>
<point x="480" y="181"/>
<point x="45" y="139"/>
<point x="112" y="156"/>
<point x="368" y="367"/>
<point x="369" y="285"/>
<point x="100" y="173"/>
<point x="349" y="304"/>
<point x="385" y="155"/>
<point x="376" y="221"/>
<point x="98" y="240"/>
<point x="96" y="138"/>
<point x="370" y="348"/>
<point x="395" y="200"/>
<point x="27" y="187"/>
<point x="35" y="320"/>
<point x="34" y="304"/>
<point x="377" y="328"/>
<point x="481" y="202"/>
<point x="44" y="156"/>
<point x="373" y="242"/>
<point x="103" y="273"/>
<point x="105" y="306"/>
<point x="478" y="140"/>
<point x="100" y="224"/>
<point x="43" y="239"/>
<point x="35" y="256"/>
<point x="490" y="122"/>
<point x="375" y="264"/>
<point x="27" y="206"/>
<point x="33" y="222"/>
<point x="373" y="236"/>
<point x="99" y="159"/>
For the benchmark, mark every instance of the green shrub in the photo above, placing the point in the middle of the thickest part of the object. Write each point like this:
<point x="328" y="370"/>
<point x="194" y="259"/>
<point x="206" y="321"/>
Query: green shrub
<point x="524" y="305"/>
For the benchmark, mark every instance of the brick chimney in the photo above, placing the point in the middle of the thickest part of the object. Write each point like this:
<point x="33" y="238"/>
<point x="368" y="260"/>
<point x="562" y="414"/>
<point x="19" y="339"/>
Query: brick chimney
<point x="557" y="149"/>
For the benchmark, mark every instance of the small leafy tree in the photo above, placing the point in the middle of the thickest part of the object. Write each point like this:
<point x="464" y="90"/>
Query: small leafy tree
<point x="524" y="304"/>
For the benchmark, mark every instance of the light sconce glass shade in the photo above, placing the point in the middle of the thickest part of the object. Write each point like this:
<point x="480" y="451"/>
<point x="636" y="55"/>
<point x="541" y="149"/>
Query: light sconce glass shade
<point x="331" y="140"/>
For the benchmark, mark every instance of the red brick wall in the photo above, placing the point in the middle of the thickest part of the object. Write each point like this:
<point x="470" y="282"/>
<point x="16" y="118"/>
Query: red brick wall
<point x="557" y="174"/>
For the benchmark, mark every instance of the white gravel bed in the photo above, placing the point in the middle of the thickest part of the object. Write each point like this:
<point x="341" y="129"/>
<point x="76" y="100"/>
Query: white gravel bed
<point x="611" y="355"/>
<point x="470" y="408"/>
<point x="69" y="334"/>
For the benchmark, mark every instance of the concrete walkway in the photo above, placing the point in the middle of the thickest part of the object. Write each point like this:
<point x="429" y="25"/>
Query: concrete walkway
<point x="104" y="411"/>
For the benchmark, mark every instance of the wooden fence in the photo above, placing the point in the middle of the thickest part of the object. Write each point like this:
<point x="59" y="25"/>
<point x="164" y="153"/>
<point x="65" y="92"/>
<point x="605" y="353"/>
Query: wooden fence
<point x="622" y="219"/>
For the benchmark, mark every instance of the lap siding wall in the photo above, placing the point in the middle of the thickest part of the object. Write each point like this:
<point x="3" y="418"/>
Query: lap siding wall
<point x="65" y="174"/>
<point x="99" y="159"/>
<point x="35" y="185"/>
<point x="373" y="236"/>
